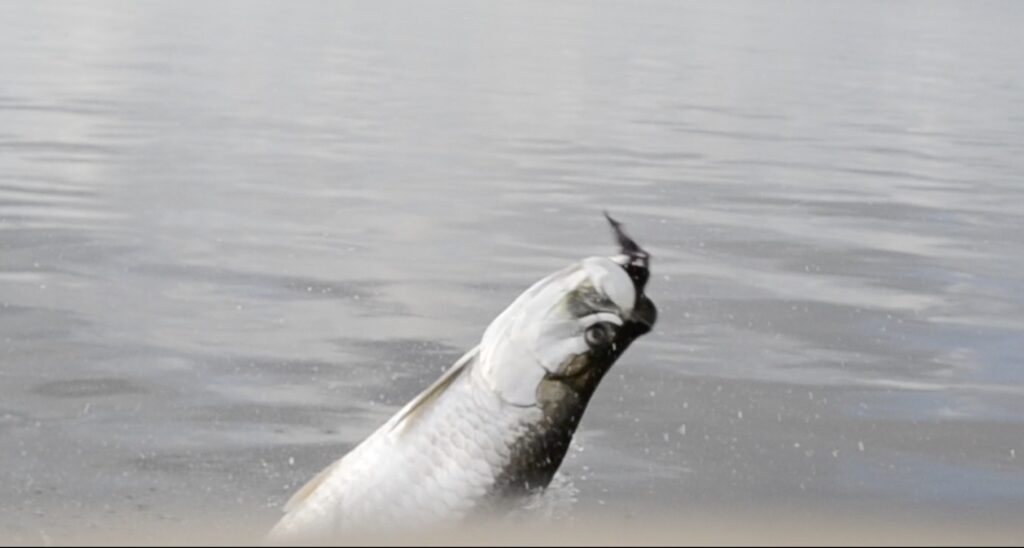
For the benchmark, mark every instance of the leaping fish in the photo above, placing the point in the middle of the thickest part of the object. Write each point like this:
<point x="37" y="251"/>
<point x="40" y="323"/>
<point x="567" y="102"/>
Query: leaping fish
<point x="495" y="426"/>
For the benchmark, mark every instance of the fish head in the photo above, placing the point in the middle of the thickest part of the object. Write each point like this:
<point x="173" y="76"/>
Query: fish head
<point x="573" y="324"/>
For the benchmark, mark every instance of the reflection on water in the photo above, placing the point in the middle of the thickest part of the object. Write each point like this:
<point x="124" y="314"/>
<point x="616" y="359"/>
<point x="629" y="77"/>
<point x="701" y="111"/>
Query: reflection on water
<point x="233" y="239"/>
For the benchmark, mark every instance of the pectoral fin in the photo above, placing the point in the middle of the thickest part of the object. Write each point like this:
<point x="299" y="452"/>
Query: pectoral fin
<point x="407" y="416"/>
<point x="304" y="493"/>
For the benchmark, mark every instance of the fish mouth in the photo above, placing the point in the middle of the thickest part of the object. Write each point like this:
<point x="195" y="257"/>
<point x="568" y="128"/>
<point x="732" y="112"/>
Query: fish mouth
<point x="636" y="261"/>
<point x="645" y="314"/>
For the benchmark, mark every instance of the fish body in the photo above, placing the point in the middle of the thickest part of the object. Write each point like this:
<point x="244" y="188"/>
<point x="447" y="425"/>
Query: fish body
<point x="496" y="426"/>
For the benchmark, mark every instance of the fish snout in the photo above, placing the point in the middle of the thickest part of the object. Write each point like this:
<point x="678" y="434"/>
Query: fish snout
<point x="645" y="314"/>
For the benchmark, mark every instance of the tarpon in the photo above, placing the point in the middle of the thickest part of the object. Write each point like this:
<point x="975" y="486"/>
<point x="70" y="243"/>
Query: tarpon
<point x="496" y="426"/>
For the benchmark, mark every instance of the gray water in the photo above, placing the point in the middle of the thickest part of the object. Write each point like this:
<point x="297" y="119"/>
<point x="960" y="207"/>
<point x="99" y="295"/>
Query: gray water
<point x="236" y="236"/>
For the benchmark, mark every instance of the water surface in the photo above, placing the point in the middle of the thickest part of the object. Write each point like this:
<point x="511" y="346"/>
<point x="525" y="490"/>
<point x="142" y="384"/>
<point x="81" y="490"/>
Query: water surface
<point x="235" y="237"/>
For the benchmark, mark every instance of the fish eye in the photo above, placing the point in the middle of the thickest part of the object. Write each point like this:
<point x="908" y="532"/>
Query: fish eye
<point x="599" y="335"/>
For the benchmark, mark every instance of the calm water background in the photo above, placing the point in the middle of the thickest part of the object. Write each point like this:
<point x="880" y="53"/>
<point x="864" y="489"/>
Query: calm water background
<point x="235" y="236"/>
